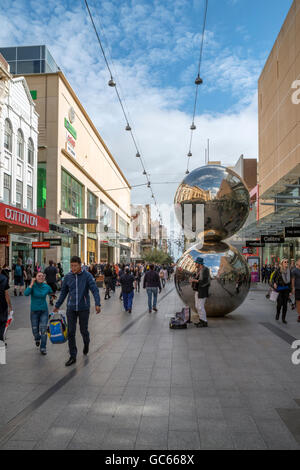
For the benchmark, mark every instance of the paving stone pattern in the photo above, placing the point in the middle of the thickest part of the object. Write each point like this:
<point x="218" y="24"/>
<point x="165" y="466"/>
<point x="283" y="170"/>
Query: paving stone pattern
<point x="230" y="386"/>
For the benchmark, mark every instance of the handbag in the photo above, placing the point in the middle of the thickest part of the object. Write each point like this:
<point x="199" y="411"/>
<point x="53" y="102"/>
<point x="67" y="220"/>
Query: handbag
<point x="274" y="296"/>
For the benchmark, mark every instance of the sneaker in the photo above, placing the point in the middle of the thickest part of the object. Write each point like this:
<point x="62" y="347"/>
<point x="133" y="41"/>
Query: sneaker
<point x="37" y="343"/>
<point x="284" y="321"/>
<point x="15" y="292"/>
<point x="86" y="349"/>
<point x="20" y="293"/>
<point x="43" y="352"/>
<point x="129" y="311"/>
<point x="155" y="309"/>
<point x="150" y="310"/>
<point x="70" y="361"/>
<point x="298" y="320"/>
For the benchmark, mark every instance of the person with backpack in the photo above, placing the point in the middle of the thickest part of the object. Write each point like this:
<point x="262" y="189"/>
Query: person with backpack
<point x="200" y="284"/>
<point x="18" y="274"/>
<point x="39" y="290"/>
<point x="282" y="284"/>
<point x="5" y="303"/>
<point x="127" y="283"/>
<point x="76" y="285"/>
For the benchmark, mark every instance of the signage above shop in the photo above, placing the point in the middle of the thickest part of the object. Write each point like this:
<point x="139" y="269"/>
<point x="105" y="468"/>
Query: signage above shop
<point x="70" y="128"/>
<point x="61" y="229"/>
<point x="277" y="239"/>
<point x="254" y="244"/>
<point x="25" y="219"/>
<point x="41" y="245"/>
<point x="247" y="251"/>
<point x="53" y="241"/>
<point x="3" y="239"/>
<point x="292" y="232"/>
<point x="70" y="150"/>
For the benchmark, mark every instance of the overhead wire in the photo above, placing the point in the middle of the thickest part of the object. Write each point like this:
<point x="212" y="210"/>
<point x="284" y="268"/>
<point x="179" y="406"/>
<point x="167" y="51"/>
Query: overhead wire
<point x="128" y="128"/>
<point x="198" y="82"/>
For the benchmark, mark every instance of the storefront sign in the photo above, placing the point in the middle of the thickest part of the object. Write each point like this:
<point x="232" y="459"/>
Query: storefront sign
<point x="40" y="245"/>
<point x="292" y="232"/>
<point x="254" y="244"/>
<point x="14" y="216"/>
<point x="70" y="150"/>
<point x="70" y="128"/>
<point x="3" y="239"/>
<point x="53" y="241"/>
<point x="277" y="239"/>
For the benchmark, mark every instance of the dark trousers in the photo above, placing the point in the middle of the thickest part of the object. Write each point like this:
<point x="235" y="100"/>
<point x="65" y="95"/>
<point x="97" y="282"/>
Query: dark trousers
<point x="3" y="320"/>
<point x="72" y="316"/>
<point x="282" y="301"/>
<point x="127" y="300"/>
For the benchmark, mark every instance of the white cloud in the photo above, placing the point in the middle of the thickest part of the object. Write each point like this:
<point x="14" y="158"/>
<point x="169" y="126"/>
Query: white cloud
<point x="160" y="125"/>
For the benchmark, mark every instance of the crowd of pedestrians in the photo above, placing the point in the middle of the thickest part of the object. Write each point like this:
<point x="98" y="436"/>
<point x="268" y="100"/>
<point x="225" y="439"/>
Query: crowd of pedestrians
<point x="41" y="284"/>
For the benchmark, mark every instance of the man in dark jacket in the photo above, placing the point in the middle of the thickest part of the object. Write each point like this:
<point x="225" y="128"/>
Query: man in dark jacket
<point x="152" y="285"/>
<point x="77" y="283"/>
<point x="51" y="278"/>
<point x="127" y="281"/>
<point x="5" y="304"/>
<point x="201" y="283"/>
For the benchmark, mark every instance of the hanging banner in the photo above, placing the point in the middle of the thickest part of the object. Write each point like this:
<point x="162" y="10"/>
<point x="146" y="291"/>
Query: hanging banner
<point x="277" y="239"/>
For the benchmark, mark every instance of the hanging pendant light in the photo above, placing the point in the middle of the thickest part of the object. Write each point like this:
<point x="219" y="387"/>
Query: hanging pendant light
<point x="138" y="155"/>
<point x="198" y="80"/>
<point x="128" y="128"/>
<point x="187" y="172"/>
<point x="190" y="154"/>
<point x="193" y="127"/>
<point x="111" y="82"/>
<point x="144" y="172"/>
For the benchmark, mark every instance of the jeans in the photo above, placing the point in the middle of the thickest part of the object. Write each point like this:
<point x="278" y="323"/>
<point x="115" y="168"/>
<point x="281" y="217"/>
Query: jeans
<point x="3" y="320"/>
<point x="39" y="322"/>
<point x="127" y="300"/>
<point x="152" y="291"/>
<point x="72" y="316"/>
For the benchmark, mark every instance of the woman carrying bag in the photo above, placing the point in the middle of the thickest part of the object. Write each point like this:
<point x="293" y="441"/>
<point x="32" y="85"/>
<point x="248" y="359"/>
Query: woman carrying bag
<point x="282" y="285"/>
<point x="38" y="290"/>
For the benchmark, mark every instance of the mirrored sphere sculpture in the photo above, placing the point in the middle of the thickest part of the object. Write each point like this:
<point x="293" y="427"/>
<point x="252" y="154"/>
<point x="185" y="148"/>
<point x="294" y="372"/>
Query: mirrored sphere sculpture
<point x="225" y="199"/>
<point x="224" y="196"/>
<point x="229" y="273"/>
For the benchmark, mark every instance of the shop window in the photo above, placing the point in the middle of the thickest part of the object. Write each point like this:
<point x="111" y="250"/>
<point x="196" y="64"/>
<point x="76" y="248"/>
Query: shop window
<point x="20" y="145"/>
<point x="29" y="198"/>
<point x="19" y="194"/>
<point x="30" y="153"/>
<point x="8" y="135"/>
<point x="71" y="195"/>
<point x="91" y="205"/>
<point x="7" y="188"/>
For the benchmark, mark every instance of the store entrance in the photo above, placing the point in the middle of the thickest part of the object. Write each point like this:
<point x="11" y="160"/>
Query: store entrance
<point x="23" y="251"/>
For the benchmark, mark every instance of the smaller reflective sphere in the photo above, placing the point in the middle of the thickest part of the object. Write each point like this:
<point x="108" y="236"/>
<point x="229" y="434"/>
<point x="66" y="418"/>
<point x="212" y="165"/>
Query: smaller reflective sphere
<point x="224" y="196"/>
<point x="229" y="273"/>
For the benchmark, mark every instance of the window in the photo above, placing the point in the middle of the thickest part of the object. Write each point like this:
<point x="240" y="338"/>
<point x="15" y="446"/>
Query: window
<point x="29" y="198"/>
<point x="30" y="152"/>
<point x="7" y="188"/>
<point x="8" y="135"/>
<point x="91" y="205"/>
<point x="20" y="145"/>
<point x="19" y="194"/>
<point x="41" y="186"/>
<point x="71" y="195"/>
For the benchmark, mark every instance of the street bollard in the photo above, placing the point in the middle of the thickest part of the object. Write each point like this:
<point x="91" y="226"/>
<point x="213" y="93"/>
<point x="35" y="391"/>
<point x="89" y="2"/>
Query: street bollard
<point x="2" y="353"/>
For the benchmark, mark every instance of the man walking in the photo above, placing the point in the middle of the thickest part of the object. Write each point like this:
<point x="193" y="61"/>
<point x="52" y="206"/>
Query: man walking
<point x="5" y="304"/>
<point x="127" y="283"/>
<point x="77" y="283"/>
<point x="152" y="285"/>
<point x="296" y="286"/>
<point x="51" y="278"/>
<point x="18" y="274"/>
<point x="201" y="283"/>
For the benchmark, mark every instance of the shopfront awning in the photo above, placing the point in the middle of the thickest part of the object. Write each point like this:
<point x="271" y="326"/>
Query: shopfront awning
<point x="20" y="221"/>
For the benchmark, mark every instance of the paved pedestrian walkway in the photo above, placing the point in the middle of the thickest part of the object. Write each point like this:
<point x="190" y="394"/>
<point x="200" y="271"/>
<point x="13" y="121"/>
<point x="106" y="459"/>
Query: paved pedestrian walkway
<point x="144" y="386"/>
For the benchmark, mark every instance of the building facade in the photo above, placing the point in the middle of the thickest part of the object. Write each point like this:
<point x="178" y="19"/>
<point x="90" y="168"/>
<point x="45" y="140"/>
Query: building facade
<point x="75" y="173"/>
<point x="19" y="222"/>
<point x="278" y="192"/>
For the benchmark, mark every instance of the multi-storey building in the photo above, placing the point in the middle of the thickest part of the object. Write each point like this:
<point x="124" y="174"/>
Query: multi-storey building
<point x="18" y="170"/>
<point x="76" y="170"/>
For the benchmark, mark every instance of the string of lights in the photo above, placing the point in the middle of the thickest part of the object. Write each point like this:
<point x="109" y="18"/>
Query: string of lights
<point x="198" y="82"/>
<point x="112" y="83"/>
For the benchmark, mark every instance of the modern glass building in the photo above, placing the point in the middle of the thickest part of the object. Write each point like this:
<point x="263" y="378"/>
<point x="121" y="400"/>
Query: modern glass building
<point x="29" y="59"/>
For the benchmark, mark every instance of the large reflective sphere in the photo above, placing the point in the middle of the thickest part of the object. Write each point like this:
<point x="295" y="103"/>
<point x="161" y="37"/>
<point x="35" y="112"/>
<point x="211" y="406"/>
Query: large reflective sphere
<point x="230" y="277"/>
<point x="225" y="198"/>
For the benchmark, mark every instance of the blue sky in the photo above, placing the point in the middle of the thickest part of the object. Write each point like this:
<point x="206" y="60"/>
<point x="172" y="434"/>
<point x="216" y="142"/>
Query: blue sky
<point x="155" y="47"/>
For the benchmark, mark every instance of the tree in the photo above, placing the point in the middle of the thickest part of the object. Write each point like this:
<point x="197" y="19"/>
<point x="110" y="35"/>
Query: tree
<point x="156" y="256"/>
